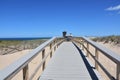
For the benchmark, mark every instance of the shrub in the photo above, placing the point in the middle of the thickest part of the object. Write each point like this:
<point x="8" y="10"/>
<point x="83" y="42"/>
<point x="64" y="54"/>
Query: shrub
<point x="108" y="39"/>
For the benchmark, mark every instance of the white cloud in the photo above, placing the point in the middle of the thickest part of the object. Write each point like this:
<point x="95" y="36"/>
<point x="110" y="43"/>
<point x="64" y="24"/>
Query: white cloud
<point x="114" y="8"/>
<point x="119" y="12"/>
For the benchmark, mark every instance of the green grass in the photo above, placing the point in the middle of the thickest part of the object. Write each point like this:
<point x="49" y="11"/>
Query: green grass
<point x="6" y="43"/>
<point x="11" y="46"/>
<point x="108" y="39"/>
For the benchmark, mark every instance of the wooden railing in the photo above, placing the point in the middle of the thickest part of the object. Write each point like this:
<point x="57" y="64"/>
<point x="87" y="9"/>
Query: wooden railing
<point x="104" y="60"/>
<point x="44" y="51"/>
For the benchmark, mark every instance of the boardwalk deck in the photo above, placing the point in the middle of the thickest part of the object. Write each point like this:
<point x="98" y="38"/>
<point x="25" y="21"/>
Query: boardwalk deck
<point x="66" y="64"/>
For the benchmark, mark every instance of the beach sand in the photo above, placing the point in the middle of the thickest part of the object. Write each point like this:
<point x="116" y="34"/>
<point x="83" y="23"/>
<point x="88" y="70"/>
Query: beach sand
<point x="106" y="62"/>
<point x="112" y="47"/>
<point x="6" y="60"/>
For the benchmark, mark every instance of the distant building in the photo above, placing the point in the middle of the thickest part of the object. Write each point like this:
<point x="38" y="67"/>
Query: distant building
<point x="64" y="34"/>
<point x="68" y="37"/>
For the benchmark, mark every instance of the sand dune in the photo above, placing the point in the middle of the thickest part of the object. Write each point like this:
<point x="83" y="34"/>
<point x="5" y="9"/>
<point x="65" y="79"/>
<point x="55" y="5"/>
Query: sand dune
<point x="6" y="60"/>
<point x="112" y="47"/>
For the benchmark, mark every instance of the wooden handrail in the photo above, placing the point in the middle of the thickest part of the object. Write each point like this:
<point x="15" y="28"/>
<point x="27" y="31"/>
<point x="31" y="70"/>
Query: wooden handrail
<point x="109" y="54"/>
<point x="22" y="63"/>
<point x="44" y="59"/>
<point x="10" y="71"/>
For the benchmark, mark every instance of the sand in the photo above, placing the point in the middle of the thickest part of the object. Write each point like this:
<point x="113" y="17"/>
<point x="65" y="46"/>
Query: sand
<point x="112" y="47"/>
<point x="6" y="60"/>
<point x="107" y="63"/>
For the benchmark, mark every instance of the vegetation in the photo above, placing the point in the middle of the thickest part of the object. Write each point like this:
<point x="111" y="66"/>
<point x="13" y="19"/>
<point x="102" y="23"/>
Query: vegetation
<point x="4" y="43"/>
<point x="108" y="39"/>
<point x="11" y="46"/>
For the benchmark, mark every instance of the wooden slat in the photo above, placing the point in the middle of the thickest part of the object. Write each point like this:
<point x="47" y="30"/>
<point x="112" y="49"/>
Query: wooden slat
<point x="66" y="64"/>
<point x="13" y="69"/>
<point x="110" y="54"/>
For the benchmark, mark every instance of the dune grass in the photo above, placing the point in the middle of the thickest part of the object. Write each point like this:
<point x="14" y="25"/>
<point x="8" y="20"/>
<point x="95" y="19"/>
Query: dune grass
<point x="5" y="43"/>
<point x="11" y="46"/>
<point x="108" y="39"/>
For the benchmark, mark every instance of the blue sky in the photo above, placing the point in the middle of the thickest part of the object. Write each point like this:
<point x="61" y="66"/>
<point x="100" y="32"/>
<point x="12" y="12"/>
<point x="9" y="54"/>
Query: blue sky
<point x="41" y="18"/>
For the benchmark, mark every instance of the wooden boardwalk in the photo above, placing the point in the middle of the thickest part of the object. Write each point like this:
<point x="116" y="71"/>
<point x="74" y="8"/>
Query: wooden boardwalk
<point x="87" y="61"/>
<point x="66" y="64"/>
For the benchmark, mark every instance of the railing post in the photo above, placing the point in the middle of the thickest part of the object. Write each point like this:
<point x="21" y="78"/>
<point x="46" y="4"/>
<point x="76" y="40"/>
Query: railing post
<point x="50" y="54"/>
<point x="54" y="42"/>
<point x="43" y="55"/>
<point x="50" y="46"/>
<point x="82" y="45"/>
<point x="87" y="49"/>
<point x="54" y="48"/>
<point x="118" y="71"/>
<point x="96" y="56"/>
<point x="25" y="73"/>
<point x="58" y="45"/>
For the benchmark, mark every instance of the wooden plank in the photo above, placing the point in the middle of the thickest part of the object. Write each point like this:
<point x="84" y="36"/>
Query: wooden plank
<point x="10" y="71"/>
<point x="110" y="54"/>
<point x="25" y="73"/>
<point x="66" y="64"/>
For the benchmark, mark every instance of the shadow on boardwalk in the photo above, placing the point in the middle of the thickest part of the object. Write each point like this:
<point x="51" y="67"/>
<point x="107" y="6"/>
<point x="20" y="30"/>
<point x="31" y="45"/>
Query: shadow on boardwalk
<point x="89" y="67"/>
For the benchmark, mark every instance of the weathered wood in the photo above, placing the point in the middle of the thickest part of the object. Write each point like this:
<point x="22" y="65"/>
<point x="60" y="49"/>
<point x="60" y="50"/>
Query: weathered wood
<point x="54" y="48"/>
<point x="26" y="73"/>
<point x="66" y="64"/>
<point x="96" y="56"/>
<point x="9" y="72"/>
<point x="88" y="49"/>
<point x="50" y="54"/>
<point x="100" y="65"/>
<point x="43" y="55"/>
<point x="109" y="54"/>
<point x="82" y="46"/>
<point x="50" y="45"/>
<point x="118" y="72"/>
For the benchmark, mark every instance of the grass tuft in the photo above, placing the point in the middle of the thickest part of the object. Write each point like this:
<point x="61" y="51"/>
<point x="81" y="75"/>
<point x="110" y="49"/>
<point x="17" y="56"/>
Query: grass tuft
<point x="108" y="39"/>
